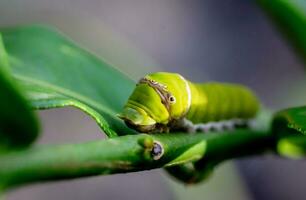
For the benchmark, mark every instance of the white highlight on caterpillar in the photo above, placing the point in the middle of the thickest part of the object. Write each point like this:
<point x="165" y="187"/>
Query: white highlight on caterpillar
<point x="188" y="93"/>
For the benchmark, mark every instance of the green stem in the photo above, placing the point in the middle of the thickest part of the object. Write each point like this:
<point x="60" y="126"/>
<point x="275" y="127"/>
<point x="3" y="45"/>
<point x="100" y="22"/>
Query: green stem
<point x="124" y="154"/>
<point x="218" y="150"/>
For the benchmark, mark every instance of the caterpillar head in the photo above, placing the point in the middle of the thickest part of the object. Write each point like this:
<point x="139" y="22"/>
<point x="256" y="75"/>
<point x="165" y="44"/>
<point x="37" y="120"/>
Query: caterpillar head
<point x="157" y="99"/>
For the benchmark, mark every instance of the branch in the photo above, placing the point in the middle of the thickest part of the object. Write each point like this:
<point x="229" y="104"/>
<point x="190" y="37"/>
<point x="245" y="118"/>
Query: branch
<point x="125" y="154"/>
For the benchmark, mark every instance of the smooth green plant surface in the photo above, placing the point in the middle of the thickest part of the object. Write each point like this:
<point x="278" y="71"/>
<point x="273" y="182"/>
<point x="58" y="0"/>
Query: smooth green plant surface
<point x="48" y="70"/>
<point x="18" y="125"/>
<point x="123" y="154"/>
<point x="290" y="127"/>
<point x="55" y="73"/>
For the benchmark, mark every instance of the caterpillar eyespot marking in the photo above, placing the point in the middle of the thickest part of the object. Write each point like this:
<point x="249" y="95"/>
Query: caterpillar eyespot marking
<point x="172" y="99"/>
<point x="163" y="102"/>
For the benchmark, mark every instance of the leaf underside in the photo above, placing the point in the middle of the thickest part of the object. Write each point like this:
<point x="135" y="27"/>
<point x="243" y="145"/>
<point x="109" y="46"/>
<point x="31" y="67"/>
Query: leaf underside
<point x="54" y="72"/>
<point x="18" y="124"/>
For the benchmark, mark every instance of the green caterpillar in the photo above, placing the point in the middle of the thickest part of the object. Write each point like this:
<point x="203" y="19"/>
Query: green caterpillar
<point x="163" y="102"/>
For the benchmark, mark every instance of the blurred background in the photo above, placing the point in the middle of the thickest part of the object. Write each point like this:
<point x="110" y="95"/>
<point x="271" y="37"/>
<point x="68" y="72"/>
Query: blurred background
<point x="232" y="41"/>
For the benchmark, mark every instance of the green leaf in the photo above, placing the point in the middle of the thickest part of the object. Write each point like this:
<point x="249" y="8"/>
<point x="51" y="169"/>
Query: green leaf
<point x="18" y="125"/>
<point x="292" y="147"/>
<point x="54" y="72"/>
<point x="290" y="17"/>
<point x="289" y="127"/>
<point x="289" y="122"/>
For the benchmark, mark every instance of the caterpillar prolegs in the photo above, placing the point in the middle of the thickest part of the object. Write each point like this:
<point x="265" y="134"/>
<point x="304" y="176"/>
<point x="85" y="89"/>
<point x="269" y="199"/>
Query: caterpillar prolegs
<point x="163" y="102"/>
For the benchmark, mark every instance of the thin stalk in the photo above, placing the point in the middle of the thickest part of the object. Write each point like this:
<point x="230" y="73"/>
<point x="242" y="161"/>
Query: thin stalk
<point x="124" y="154"/>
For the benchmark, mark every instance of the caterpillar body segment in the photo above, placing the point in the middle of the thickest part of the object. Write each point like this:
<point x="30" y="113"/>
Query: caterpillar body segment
<point x="221" y="101"/>
<point x="162" y="102"/>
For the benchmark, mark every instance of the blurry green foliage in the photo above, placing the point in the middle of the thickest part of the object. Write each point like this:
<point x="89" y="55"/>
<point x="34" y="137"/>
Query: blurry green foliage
<point x="290" y="18"/>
